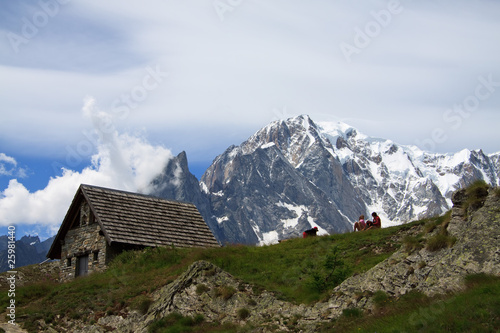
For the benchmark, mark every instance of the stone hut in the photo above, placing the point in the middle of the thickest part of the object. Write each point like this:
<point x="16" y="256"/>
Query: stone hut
<point x="101" y="223"/>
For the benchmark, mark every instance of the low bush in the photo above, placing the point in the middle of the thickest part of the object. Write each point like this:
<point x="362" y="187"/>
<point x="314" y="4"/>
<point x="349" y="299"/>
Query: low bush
<point x="439" y="241"/>
<point x="201" y="288"/>
<point x="474" y="280"/>
<point x="141" y="303"/>
<point x="252" y="302"/>
<point x="243" y="313"/>
<point x="476" y="195"/>
<point x="380" y="298"/>
<point x="352" y="313"/>
<point x="225" y="292"/>
<point x="412" y="244"/>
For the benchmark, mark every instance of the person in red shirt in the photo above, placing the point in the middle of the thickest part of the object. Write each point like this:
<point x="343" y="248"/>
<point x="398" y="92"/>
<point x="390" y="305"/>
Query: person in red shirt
<point x="310" y="232"/>
<point x="376" y="223"/>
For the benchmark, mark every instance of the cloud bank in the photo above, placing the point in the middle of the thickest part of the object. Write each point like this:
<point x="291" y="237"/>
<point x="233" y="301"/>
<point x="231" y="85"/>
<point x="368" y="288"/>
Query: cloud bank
<point x="122" y="161"/>
<point x="229" y="67"/>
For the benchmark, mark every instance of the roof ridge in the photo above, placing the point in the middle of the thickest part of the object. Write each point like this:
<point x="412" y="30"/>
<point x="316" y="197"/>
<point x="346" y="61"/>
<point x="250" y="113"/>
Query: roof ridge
<point x="107" y="189"/>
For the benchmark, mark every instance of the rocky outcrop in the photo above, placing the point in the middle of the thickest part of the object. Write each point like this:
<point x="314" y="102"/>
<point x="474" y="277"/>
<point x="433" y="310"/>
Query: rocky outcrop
<point x="206" y="289"/>
<point x="476" y="250"/>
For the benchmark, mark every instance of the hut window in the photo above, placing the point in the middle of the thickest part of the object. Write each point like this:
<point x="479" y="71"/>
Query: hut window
<point x="68" y="262"/>
<point x="96" y="255"/>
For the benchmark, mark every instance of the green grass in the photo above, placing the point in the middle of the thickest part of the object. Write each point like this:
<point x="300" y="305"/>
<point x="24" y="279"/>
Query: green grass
<point x="413" y="243"/>
<point x="477" y="309"/>
<point x="440" y="239"/>
<point x="298" y="270"/>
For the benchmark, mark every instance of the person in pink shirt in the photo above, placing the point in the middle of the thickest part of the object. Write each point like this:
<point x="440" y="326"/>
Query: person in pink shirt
<point x="360" y="225"/>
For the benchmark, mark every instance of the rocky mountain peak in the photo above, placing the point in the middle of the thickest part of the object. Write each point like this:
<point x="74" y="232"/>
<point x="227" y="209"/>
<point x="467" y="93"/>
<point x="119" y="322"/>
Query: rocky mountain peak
<point x="293" y="137"/>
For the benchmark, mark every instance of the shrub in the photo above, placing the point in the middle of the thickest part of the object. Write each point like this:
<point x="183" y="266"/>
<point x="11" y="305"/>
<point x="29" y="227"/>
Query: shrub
<point x="476" y="195"/>
<point x="439" y="241"/>
<point x="332" y="272"/>
<point x="141" y="303"/>
<point x="49" y="318"/>
<point x="175" y="322"/>
<point x="411" y="244"/>
<point x="201" y="288"/>
<point x="198" y="319"/>
<point x="352" y="313"/>
<point x="429" y="227"/>
<point x="210" y="272"/>
<point x="473" y="280"/>
<point x="252" y="302"/>
<point x="243" y="313"/>
<point x="379" y="298"/>
<point x="226" y="292"/>
<point x="124" y="258"/>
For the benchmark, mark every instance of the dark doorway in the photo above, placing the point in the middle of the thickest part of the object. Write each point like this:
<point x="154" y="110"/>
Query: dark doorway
<point x="82" y="265"/>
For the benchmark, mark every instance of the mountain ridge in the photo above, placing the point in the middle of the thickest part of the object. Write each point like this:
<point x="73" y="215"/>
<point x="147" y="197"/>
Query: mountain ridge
<point x="29" y="250"/>
<point x="295" y="174"/>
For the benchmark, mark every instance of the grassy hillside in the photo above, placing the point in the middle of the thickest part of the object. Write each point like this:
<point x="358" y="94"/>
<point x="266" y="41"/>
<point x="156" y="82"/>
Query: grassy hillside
<point x="298" y="270"/>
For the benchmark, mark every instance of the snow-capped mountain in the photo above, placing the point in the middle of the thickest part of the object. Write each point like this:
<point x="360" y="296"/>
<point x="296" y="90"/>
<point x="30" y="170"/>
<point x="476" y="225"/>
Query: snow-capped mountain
<point x="281" y="181"/>
<point x="295" y="174"/>
<point x="403" y="182"/>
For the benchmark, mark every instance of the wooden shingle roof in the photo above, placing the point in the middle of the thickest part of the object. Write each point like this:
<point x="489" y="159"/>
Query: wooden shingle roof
<point x="137" y="219"/>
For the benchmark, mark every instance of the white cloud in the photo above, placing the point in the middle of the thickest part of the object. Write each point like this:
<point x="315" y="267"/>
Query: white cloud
<point x="122" y="161"/>
<point x="8" y="167"/>
<point x="7" y="159"/>
<point x="7" y="164"/>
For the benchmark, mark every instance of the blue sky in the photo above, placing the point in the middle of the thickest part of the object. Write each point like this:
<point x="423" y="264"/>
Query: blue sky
<point x="104" y="92"/>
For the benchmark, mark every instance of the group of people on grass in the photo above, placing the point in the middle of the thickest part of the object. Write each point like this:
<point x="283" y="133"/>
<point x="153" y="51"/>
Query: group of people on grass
<point x="361" y="225"/>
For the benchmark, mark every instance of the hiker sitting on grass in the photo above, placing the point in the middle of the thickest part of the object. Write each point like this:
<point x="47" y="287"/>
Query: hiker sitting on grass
<point x="375" y="224"/>
<point x="360" y="225"/>
<point x="310" y="232"/>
